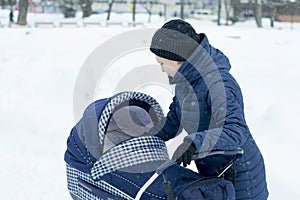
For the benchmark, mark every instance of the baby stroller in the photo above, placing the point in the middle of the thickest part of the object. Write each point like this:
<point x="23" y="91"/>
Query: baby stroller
<point x="110" y="156"/>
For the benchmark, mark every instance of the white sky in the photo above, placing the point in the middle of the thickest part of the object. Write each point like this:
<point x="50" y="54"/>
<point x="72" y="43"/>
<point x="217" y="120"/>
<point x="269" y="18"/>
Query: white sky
<point x="38" y="71"/>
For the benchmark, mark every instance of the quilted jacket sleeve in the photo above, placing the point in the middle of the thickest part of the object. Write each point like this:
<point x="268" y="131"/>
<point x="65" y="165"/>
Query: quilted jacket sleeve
<point x="229" y="129"/>
<point x="169" y="126"/>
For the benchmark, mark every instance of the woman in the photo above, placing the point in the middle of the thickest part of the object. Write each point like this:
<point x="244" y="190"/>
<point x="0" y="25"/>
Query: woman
<point x="208" y="105"/>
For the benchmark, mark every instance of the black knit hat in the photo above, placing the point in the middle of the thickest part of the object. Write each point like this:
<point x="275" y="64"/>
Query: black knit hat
<point x="175" y="40"/>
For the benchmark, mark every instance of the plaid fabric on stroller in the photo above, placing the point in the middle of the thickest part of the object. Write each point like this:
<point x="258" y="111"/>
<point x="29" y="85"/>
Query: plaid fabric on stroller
<point x="109" y="156"/>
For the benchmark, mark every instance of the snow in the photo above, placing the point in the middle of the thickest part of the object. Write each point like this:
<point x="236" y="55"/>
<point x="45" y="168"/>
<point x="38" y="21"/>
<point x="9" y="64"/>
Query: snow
<point x="38" y="72"/>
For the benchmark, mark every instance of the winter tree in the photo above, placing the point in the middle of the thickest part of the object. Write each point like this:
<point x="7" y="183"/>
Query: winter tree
<point x="86" y="7"/>
<point x="258" y="13"/>
<point x="23" y="8"/>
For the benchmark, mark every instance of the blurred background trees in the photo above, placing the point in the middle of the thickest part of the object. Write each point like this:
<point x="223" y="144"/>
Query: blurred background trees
<point x="223" y="12"/>
<point x="68" y="8"/>
<point x="86" y="7"/>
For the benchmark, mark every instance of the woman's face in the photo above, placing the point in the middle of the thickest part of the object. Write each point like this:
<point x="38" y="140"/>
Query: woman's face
<point x="169" y="66"/>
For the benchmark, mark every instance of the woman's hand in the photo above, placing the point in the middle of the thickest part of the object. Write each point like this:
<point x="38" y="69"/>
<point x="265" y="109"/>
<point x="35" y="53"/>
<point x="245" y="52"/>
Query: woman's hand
<point x="184" y="153"/>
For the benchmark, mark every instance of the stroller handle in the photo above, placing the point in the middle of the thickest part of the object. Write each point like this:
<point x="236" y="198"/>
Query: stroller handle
<point x="234" y="152"/>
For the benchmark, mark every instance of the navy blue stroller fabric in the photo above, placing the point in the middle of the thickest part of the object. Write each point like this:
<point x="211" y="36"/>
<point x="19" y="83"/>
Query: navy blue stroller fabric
<point x="121" y="171"/>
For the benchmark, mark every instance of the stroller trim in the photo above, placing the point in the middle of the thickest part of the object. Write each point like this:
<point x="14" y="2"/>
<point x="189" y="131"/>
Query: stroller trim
<point x="73" y="177"/>
<point x="129" y="153"/>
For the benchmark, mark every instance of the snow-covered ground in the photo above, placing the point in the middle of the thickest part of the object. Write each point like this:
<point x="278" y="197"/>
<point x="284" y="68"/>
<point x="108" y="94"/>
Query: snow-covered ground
<point x="38" y="72"/>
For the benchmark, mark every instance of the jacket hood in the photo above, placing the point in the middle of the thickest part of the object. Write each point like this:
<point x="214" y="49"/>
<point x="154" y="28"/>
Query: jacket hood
<point x="204" y="60"/>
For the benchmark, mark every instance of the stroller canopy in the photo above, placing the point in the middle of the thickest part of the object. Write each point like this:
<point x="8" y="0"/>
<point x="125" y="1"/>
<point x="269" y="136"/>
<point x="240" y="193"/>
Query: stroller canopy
<point x="86" y="141"/>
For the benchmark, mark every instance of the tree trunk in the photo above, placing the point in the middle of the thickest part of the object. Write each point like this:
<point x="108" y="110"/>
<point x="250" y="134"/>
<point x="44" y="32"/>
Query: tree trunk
<point x="133" y="10"/>
<point x="227" y="4"/>
<point x="237" y="9"/>
<point x="165" y="11"/>
<point x="272" y="15"/>
<point x="258" y="13"/>
<point x="219" y="12"/>
<point x="148" y="10"/>
<point x="110" y="5"/>
<point x="182" y="9"/>
<point x="23" y="8"/>
<point x="86" y="6"/>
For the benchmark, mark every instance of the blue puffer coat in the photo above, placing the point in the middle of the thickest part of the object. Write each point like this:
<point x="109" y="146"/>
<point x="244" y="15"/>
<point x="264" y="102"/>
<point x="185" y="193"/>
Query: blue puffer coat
<point x="208" y="105"/>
